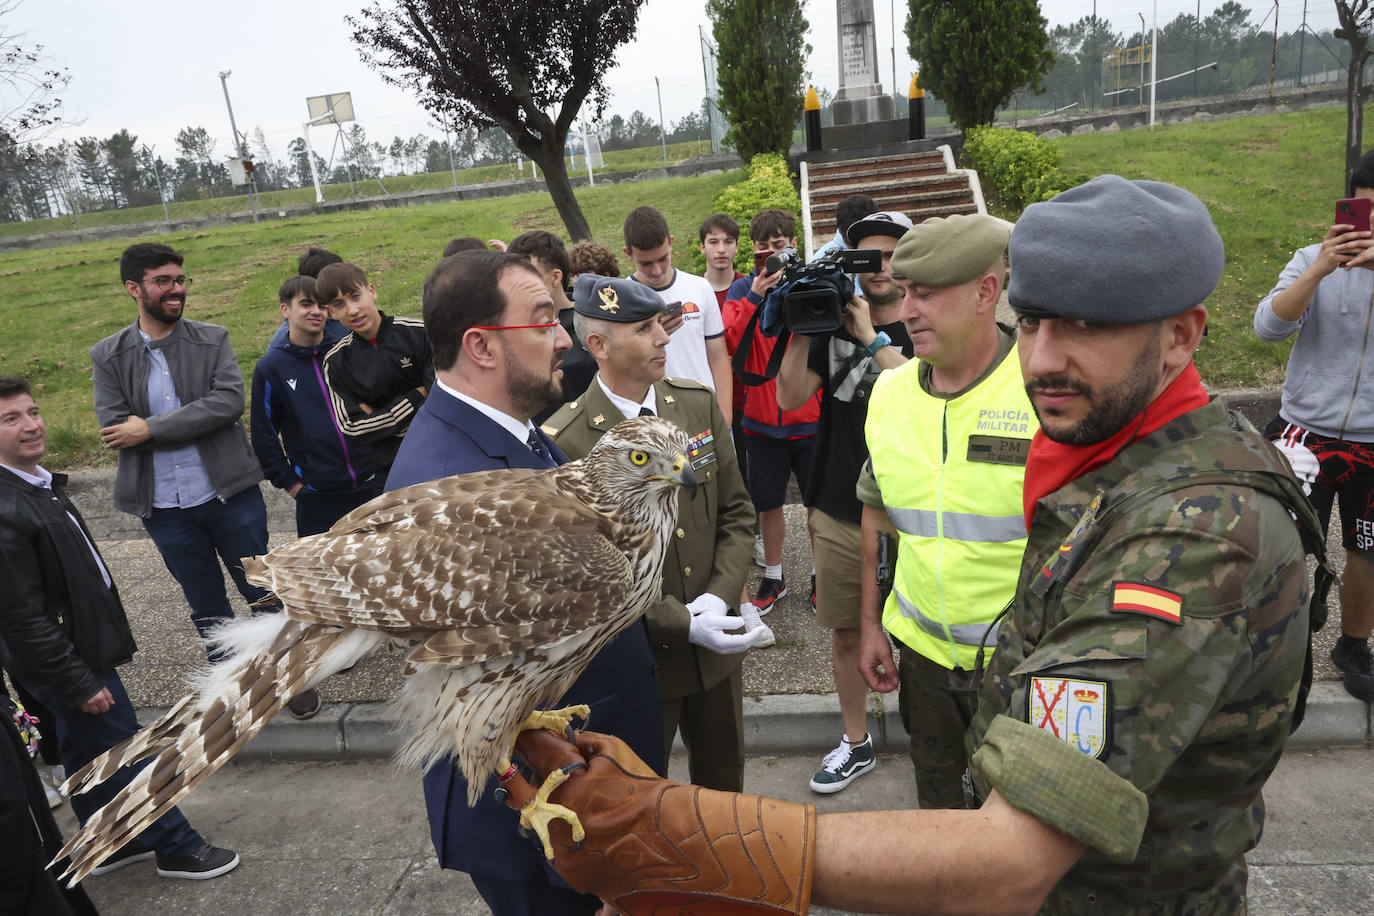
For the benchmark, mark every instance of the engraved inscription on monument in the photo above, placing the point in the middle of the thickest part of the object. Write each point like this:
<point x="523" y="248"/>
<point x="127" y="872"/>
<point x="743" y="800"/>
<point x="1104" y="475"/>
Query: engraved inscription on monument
<point x="861" y="98"/>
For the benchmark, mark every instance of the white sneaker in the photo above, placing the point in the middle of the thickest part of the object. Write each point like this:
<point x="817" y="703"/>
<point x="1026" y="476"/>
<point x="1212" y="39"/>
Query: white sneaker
<point x="54" y="797"/>
<point x="762" y="633"/>
<point x="758" y="552"/>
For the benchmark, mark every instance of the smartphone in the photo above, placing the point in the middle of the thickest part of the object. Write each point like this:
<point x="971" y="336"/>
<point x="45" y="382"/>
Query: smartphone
<point x="1354" y="211"/>
<point x="760" y="259"/>
<point x="674" y="309"/>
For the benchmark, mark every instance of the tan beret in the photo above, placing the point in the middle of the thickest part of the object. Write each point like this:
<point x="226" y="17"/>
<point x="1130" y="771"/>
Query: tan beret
<point x="949" y="250"/>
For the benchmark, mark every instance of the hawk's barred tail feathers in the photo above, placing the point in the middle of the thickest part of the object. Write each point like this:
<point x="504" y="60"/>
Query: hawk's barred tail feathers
<point x="269" y="660"/>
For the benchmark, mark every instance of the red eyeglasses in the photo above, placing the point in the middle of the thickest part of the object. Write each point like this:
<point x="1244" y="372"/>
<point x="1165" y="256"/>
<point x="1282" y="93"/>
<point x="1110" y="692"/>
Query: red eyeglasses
<point x="550" y="326"/>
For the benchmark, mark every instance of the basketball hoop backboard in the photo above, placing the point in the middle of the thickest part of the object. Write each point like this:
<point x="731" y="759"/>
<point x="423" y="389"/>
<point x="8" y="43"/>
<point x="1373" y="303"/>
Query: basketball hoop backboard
<point x="335" y="108"/>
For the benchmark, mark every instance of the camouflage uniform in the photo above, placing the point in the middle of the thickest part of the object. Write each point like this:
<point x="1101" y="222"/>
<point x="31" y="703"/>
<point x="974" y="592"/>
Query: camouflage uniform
<point x="1146" y="731"/>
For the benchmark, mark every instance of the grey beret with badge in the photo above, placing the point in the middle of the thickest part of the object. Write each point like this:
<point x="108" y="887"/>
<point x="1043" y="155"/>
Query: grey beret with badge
<point x="615" y="299"/>
<point x="1114" y="251"/>
<point x="950" y="250"/>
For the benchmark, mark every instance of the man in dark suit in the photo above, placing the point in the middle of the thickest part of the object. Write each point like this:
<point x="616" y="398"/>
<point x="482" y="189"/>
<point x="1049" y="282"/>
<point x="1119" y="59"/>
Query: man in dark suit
<point x="694" y="628"/>
<point x="496" y="342"/>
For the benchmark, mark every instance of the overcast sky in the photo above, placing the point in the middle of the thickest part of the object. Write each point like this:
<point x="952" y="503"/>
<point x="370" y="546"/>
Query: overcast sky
<point x="152" y="66"/>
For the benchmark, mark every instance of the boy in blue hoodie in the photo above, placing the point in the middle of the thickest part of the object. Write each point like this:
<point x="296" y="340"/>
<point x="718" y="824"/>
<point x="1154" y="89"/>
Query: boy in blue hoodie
<point x="297" y="441"/>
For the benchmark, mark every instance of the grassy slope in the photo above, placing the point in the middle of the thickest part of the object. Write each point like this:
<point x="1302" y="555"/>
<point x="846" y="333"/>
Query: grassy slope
<point x="1271" y="183"/>
<point x="618" y="160"/>
<point x="58" y="302"/>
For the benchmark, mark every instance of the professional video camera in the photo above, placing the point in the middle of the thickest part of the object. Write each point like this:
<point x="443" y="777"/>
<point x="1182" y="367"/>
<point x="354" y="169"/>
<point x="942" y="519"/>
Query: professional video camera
<point x="811" y="298"/>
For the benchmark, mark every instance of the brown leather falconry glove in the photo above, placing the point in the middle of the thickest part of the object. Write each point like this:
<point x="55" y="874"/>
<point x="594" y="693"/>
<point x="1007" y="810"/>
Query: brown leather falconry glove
<point x="655" y="847"/>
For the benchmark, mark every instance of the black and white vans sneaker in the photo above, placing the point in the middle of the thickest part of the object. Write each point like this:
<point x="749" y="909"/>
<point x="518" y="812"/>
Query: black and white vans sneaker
<point x="843" y="765"/>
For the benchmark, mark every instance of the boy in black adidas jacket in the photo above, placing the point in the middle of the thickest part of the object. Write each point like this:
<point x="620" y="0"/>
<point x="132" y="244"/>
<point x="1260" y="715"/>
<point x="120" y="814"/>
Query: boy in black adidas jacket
<point x="380" y="372"/>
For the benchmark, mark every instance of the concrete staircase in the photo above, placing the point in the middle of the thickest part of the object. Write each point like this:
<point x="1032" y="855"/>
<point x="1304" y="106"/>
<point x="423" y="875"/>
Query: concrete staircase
<point x="919" y="184"/>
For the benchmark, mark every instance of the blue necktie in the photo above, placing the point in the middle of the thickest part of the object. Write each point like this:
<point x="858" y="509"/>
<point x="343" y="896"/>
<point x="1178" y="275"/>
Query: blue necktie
<point x="646" y="412"/>
<point x="537" y="446"/>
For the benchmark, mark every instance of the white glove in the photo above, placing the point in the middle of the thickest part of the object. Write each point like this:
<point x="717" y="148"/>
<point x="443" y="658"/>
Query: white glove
<point x="1304" y="464"/>
<point x="708" y="630"/>
<point x="707" y="603"/>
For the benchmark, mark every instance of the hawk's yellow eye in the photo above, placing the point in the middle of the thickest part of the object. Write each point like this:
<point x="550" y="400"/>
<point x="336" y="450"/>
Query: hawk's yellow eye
<point x="639" y="458"/>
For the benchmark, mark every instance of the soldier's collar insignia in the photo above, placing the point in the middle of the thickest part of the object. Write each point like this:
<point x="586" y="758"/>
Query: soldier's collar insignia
<point x="610" y="299"/>
<point x="1063" y="559"/>
<point x="669" y="398"/>
<point x="598" y="420"/>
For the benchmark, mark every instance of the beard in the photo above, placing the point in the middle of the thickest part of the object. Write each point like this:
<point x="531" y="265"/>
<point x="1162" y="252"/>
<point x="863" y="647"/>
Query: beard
<point x="891" y="295"/>
<point x="531" y="392"/>
<point x="1111" y="407"/>
<point x="158" y="311"/>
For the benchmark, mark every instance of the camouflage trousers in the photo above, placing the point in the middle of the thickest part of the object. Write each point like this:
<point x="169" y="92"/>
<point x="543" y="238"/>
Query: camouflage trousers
<point x="937" y="706"/>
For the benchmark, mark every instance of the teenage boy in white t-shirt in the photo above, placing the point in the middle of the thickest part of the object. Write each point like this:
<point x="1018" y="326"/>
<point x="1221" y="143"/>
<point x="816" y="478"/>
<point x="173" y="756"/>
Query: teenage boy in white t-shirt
<point x="696" y="349"/>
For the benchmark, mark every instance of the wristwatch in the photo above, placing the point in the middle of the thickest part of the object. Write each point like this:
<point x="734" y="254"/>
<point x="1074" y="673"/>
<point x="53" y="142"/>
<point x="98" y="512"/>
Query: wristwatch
<point x="882" y="340"/>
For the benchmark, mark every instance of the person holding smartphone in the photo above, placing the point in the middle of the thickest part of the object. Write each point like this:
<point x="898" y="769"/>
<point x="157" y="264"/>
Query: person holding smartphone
<point x="1325" y="425"/>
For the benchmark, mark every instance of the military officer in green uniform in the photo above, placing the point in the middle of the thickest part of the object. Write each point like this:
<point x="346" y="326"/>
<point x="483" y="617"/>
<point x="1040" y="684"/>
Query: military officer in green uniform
<point x="695" y="628"/>
<point x="1146" y="674"/>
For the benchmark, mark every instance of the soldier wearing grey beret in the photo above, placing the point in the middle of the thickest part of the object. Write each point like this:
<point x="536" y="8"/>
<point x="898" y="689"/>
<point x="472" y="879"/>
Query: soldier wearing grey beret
<point x="614" y="299"/>
<point x="1114" y="251"/>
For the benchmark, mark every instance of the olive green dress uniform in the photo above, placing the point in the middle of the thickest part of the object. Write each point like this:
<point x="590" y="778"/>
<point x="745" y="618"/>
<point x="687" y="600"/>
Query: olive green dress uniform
<point x="702" y="690"/>
<point x="1144" y="680"/>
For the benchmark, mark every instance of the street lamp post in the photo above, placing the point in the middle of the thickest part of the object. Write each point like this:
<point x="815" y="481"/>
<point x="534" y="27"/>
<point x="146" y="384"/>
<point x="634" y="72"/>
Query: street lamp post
<point x="157" y="173"/>
<point x="240" y="148"/>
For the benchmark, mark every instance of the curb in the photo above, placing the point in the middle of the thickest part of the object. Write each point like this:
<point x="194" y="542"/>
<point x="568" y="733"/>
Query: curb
<point x="773" y="725"/>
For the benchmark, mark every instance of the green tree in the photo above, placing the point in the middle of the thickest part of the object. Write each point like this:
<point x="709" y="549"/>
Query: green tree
<point x="761" y="53"/>
<point x="975" y="54"/>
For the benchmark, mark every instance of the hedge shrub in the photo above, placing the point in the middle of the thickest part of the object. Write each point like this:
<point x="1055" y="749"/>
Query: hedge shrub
<point x="1021" y="167"/>
<point x="769" y="184"/>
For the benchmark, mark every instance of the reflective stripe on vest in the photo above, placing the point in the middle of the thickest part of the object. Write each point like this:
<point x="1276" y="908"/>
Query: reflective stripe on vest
<point x="961" y="526"/>
<point x="966" y="634"/>
<point x="957" y="509"/>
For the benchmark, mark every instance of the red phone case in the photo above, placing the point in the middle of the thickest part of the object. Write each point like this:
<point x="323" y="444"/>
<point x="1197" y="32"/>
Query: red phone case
<point x="1354" y="211"/>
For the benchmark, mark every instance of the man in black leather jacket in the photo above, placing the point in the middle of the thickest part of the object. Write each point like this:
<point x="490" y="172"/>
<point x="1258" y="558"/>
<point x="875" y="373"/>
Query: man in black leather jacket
<point x="63" y="631"/>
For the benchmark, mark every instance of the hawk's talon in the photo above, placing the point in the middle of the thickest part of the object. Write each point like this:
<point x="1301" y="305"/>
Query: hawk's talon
<point x="540" y="813"/>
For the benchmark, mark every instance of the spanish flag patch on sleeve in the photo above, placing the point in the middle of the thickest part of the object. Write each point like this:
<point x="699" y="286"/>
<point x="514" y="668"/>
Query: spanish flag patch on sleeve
<point x="1134" y="598"/>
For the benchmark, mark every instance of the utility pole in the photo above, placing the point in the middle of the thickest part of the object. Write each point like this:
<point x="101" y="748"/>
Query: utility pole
<point x="662" y="134"/>
<point x="1154" y="56"/>
<point x="157" y="173"/>
<point x="1141" y="100"/>
<point x="1302" y="33"/>
<point x="1197" y="38"/>
<point x="1094" y="89"/>
<point x="240" y="148"/>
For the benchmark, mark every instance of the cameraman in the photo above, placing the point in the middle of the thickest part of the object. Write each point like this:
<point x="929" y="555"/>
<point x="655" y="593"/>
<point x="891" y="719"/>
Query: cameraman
<point x="1325" y="426"/>
<point x="843" y="365"/>
<point x="779" y="443"/>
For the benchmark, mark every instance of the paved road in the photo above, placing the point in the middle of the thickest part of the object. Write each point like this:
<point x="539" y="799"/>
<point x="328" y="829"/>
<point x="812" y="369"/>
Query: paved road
<point x="326" y="838"/>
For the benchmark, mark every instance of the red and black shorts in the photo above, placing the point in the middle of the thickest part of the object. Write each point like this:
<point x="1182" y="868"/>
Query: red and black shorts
<point x="1346" y="476"/>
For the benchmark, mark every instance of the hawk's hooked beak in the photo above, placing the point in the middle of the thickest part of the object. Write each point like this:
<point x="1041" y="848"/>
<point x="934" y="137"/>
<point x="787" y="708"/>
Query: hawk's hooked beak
<point x="683" y="474"/>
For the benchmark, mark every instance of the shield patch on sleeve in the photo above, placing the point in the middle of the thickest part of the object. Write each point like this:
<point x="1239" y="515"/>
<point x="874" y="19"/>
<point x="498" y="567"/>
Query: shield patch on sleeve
<point x="1074" y="711"/>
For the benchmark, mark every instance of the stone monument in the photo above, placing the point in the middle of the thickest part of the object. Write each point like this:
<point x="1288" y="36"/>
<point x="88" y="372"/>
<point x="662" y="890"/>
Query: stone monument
<point x="861" y="98"/>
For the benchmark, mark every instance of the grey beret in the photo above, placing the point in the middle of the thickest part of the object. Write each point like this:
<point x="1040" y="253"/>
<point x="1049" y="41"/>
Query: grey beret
<point x="1115" y="252"/>
<point x="950" y="250"/>
<point x="613" y="299"/>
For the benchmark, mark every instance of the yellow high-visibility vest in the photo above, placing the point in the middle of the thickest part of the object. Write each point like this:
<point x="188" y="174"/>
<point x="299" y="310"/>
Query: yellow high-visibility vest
<point x="950" y="472"/>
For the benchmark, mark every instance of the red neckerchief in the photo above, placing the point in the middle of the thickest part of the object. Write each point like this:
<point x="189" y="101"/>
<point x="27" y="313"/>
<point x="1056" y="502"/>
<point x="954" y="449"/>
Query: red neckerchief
<point x="1051" y="464"/>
